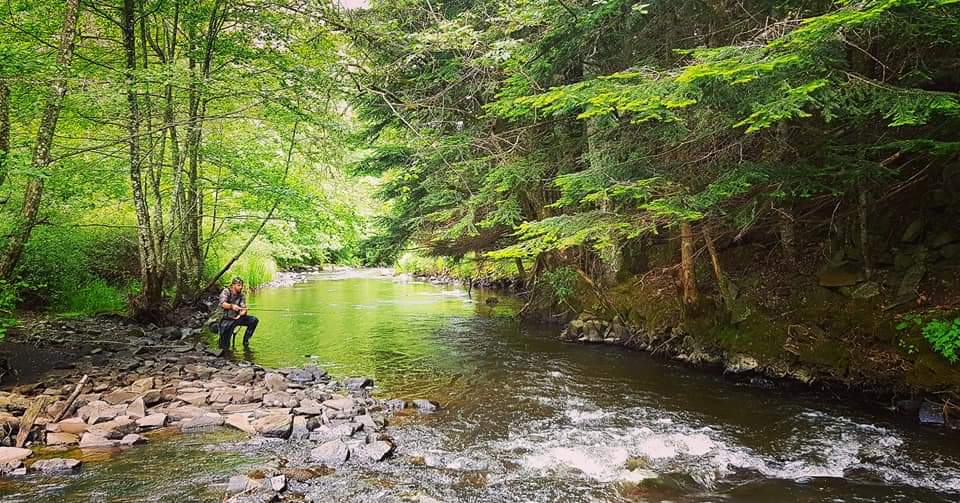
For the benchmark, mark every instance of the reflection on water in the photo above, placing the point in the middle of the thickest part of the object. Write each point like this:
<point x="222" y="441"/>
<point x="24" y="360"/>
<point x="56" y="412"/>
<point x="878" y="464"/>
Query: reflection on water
<point x="528" y="418"/>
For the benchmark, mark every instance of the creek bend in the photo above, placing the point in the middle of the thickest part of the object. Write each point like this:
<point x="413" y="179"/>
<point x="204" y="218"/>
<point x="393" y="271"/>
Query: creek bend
<point x="528" y="418"/>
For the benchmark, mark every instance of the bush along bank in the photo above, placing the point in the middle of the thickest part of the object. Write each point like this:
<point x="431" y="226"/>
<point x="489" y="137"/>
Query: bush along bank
<point x="123" y="383"/>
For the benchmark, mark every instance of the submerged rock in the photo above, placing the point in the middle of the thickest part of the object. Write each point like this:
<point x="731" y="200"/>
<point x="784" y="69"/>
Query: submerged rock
<point x="931" y="414"/>
<point x="55" y="465"/>
<point x="14" y="454"/>
<point x="426" y="405"/>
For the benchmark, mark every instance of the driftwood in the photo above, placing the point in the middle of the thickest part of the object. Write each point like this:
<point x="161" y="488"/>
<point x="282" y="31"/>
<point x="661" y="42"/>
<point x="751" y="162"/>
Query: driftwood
<point x="26" y="422"/>
<point x="73" y="398"/>
<point x="12" y="401"/>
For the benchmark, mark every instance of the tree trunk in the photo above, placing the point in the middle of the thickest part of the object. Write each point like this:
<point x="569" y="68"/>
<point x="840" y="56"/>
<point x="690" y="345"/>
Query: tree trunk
<point x="521" y="272"/>
<point x="4" y="129"/>
<point x="41" y="152"/>
<point x="863" y="211"/>
<point x="687" y="274"/>
<point x="788" y="236"/>
<point x="152" y="293"/>
<point x="722" y="282"/>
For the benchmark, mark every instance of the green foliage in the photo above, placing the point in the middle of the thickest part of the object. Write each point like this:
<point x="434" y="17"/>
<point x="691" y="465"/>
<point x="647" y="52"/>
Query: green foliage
<point x="562" y="282"/>
<point x="94" y="297"/>
<point x="8" y="302"/>
<point x="256" y="266"/>
<point x="942" y="334"/>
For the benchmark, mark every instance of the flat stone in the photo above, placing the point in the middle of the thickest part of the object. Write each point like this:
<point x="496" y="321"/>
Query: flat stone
<point x="200" y="423"/>
<point x="227" y="395"/>
<point x="301" y="376"/>
<point x="142" y="385"/>
<point x="242" y="483"/>
<point x="300" y="430"/>
<point x="279" y="399"/>
<point x="152" y="421"/>
<point x="240" y="422"/>
<point x="333" y="453"/>
<point x="13" y="454"/>
<point x="426" y="405"/>
<point x="184" y="412"/>
<point x="340" y="404"/>
<point x="274" y="425"/>
<point x="132" y="439"/>
<point x="119" y="396"/>
<point x="357" y="383"/>
<point x="61" y="438"/>
<point x="931" y="414"/>
<point x="327" y="433"/>
<point x="137" y="409"/>
<point x="395" y="404"/>
<point x="198" y="398"/>
<point x="152" y="397"/>
<point x="115" y="428"/>
<point x="278" y="483"/>
<point x="74" y="425"/>
<point x="55" y="465"/>
<point x="370" y="424"/>
<point x="275" y="382"/>
<point x="309" y="411"/>
<point x="244" y="376"/>
<point x="378" y="450"/>
<point x="244" y="407"/>
<point x="93" y="440"/>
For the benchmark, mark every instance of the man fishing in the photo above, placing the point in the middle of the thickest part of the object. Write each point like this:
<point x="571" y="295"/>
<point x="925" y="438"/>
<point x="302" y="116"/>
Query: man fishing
<point x="234" y="306"/>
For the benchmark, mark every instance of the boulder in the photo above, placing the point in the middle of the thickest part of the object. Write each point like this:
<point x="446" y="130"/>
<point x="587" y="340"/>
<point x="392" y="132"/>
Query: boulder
<point x="240" y="422"/>
<point x="152" y="421"/>
<point x="370" y="424"/>
<point x="357" y="383"/>
<point x="152" y="397"/>
<point x="94" y="440"/>
<point x="13" y="454"/>
<point x="227" y="395"/>
<point x="196" y="398"/>
<point x="244" y="376"/>
<point x="184" y="412"/>
<point x="300" y="430"/>
<point x="55" y="465"/>
<point x="279" y="399"/>
<point x="137" y="409"/>
<point x="61" y="438"/>
<point x="738" y="363"/>
<point x="395" y="404"/>
<point x="115" y="428"/>
<point x="931" y="414"/>
<point x="326" y="433"/>
<point x="340" y="404"/>
<point x="119" y="396"/>
<point x="301" y="376"/>
<point x="333" y="453"/>
<point x="142" y="385"/>
<point x="73" y="425"/>
<point x="242" y="483"/>
<point x="274" y="425"/>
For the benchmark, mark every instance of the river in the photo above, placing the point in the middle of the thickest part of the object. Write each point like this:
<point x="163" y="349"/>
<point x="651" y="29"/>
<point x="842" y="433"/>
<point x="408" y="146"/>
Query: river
<point x="529" y="418"/>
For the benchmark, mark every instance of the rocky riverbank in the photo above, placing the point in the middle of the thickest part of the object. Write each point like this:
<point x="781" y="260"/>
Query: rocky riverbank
<point x="123" y="385"/>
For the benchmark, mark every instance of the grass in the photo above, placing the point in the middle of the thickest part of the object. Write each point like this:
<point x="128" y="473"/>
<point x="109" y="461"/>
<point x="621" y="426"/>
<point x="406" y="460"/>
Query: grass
<point x="464" y="269"/>
<point x="94" y="297"/>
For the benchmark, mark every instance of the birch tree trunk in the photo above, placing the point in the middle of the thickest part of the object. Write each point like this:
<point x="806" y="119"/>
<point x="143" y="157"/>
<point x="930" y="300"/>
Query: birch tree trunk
<point x="41" y="153"/>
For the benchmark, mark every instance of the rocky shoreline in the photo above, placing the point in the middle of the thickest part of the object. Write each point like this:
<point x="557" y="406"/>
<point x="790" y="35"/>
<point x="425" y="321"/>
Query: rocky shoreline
<point x="675" y="344"/>
<point x="128" y="383"/>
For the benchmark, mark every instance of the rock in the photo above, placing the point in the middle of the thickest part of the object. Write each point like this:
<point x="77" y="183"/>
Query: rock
<point x="115" y="428"/>
<point x="340" y="404"/>
<point x="931" y="414"/>
<point x="119" y="396"/>
<point x="97" y="411"/>
<point x="278" y="483"/>
<point x="326" y="433"/>
<point x="244" y="376"/>
<point x="137" y="409"/>
<point x="197" y="398"/>
<point x="865" y="290"/>
<point x="274" y="425"/>
<point x="93" y="440"/>
<point x="279" y="399"/>
<point x="242" y="483"/>
<point x="910" y="283"/>
<point x="61" y="438"/>
<point x="357" y="383"/>
<point x="913" y="231"/>
<point x="132" y="439"/>
<point x="738" y="363"/>
<point x="300" y="430"/>
<point x="152" y="421"/>
<point x="152" y="397"/>
<point x="378" y="450"/>
<point x="55" y="465"/>
<point x="73" y="425"/>
<point x="275" y="382"/>
<point x="227" y="395"/>
<point x="426" y="405"/>
<point x="245" y="407"/>
<point x="301" y="376"/>
<point x="141" y="386"/>
<point x="370" y="423"/>
<point x="395" y="404"/>
<point x="13" y="454"/>
<point x="908" y="406"/>
<point x="333" y="453"/>
<point x="240" y="422"/>
<point x="201" y="423"/>
<point x="839" y="275"/>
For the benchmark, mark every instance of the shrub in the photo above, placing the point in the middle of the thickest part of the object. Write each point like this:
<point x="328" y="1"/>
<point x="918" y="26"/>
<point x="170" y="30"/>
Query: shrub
<point x="942" y="334"/>
<point x="94" y="297"/>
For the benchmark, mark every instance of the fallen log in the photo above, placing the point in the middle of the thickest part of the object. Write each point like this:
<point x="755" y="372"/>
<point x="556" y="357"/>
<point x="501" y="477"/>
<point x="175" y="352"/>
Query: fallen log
<point x="30" y="417"/>
<point x="73" y="398"/>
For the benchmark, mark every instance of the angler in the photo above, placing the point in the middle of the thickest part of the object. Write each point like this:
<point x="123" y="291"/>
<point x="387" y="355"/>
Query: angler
<point x="234" y="306"/>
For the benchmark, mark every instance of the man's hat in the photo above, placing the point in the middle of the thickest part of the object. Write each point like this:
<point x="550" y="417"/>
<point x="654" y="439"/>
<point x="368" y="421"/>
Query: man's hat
<point x="237" y="280"/>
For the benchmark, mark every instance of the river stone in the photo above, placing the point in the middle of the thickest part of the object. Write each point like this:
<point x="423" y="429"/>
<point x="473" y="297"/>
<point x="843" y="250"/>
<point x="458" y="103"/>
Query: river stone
<point x="300" y="430"/>
<point x="378" y="450"/>
<point x="61" y="438"/>
<point x="931" y="414"/>
<point x="73" y="425"/>
<point x="357" y="383"/>
<point x="132" y="439"/>
<point x="242" y="483"/>
<point x="137" y="409"/>
<point x="201" y="423"/>
<point x="738" y="363"/>
<point x="275" y="382"/>
<point x="244" y="376"/>
<point x="142" y="385"/>
<point x="95" y="440"/>
<point x="370" y="423"/>
<point x="426" y="405"/>
<point x="119" y="396"/>
<point x="152" y="421"/>
<point x="151" y="397"/>
<point x="334" y="452"/>
<point x="115" y="428"/>
<point x="274" y="425"/>
<point x="300" y="376"/>
<point x="243" y="407"/>
<point x="279" y="399"/>
<point x="240" y="422"/>
<point x="198" y="398"/>
<point x="13" y="454"/>
<point x="55" y="465"/>
<point x="395" y="404"/>
<point x="907" y="290"/>
<point x="227" y="395"/>
<point x="278" y="483"/>
<point x="865" y="290"/>
<point x="326" y="433"/>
